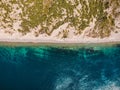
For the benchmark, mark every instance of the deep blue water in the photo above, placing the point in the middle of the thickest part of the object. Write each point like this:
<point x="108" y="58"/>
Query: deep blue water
<point x="60" y="68"/>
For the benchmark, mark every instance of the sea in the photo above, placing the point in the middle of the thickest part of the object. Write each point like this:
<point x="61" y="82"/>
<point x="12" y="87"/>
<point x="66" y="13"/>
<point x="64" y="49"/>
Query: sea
<point x="59" y="67"/>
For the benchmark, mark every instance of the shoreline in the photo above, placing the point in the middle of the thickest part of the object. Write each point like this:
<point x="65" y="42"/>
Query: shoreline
<point x="31" y="40"/>
<point x="55" y="43"/>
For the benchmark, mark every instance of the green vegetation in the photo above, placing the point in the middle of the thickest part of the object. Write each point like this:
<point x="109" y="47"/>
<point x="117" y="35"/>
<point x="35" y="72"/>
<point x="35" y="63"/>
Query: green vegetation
<point x="65" y="33"/>
<point x="50" y="14"/>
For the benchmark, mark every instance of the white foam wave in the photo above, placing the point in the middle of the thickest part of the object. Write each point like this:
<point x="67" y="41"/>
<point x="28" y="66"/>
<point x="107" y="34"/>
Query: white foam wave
<point x="67" y="82"/>
<point x="63" y="83"/>
<point x="109" y="86"/>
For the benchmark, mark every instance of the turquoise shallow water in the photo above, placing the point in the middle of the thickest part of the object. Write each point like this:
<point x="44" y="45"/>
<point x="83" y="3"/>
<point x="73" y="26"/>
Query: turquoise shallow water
<point x="60" y="68"/>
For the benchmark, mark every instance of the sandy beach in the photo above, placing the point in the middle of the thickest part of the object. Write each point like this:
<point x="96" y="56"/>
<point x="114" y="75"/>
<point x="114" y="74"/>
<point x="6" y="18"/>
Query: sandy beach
<point x="55" y="37"/>
<point x="64" y="33"/>
<point x="17" y="37"/>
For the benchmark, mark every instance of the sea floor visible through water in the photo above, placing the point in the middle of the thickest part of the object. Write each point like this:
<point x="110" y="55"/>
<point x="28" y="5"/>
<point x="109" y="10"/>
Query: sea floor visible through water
<point x="59" y="67"/>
